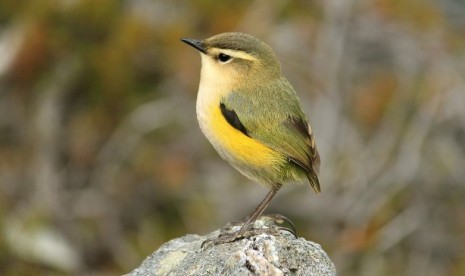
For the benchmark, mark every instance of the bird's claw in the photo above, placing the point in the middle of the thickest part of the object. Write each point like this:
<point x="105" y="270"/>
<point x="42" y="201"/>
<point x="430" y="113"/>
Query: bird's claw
<point x="248" y="231"/>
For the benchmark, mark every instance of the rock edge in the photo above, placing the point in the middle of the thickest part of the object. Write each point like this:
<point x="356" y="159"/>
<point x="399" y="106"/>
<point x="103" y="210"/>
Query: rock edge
<point x="264" y="254"/>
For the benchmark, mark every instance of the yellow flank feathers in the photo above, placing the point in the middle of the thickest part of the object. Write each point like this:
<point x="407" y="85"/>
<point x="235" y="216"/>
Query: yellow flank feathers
<point x="242" y="148"/>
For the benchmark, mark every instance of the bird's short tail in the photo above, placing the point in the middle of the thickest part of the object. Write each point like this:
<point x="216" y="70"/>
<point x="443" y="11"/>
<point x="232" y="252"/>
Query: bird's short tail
<point x="313" y="178"/>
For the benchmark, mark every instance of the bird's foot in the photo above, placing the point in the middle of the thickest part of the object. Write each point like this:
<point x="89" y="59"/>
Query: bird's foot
<point x="239" y="235"/>
<point x="268" y="226"/>
<point x="278" y="219"/>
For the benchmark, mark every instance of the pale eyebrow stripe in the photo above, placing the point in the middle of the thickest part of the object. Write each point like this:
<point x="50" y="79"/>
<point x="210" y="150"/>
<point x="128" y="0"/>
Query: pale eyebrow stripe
<point x="236" y="54"/>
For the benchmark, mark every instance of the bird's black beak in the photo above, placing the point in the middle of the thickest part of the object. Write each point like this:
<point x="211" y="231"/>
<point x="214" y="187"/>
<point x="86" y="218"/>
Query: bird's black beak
<point x="197" y="44"/>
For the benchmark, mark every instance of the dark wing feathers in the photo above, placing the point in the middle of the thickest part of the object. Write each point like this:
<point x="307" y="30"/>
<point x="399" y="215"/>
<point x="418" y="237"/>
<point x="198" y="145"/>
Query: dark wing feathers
<point x="232" y="118"/>
<point x="303" y="129"/>
<point x="310" y="161"/>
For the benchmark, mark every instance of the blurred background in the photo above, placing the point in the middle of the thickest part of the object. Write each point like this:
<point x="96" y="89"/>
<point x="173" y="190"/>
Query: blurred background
<point x="102" y="159"/>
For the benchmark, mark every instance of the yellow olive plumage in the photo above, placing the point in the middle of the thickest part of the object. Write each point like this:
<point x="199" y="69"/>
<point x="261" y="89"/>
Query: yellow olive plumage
<point x="252" y="115"/>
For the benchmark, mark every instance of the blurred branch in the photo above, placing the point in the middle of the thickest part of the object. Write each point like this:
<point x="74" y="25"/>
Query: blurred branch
<point x="48" y="126"/>
<point x="144" y="119"/>
<point x="110" y="159"/>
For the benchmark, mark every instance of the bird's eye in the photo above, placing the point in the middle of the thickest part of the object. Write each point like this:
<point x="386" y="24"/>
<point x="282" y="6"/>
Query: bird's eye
<point x="223" y="57"/>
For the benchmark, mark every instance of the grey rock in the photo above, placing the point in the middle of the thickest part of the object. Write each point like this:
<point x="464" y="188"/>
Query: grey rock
<point x="264" y="254"/>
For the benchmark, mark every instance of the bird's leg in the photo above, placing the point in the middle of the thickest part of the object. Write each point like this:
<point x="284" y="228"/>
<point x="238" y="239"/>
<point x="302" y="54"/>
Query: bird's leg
<point x="259" y="210"/>
<point x="247" y="228"/>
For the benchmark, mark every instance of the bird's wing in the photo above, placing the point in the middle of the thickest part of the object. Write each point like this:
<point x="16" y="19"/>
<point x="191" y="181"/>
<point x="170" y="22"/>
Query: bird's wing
<point x="273" y="116"/>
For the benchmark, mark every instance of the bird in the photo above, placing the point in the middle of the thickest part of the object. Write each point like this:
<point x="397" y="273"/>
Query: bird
<point x="252" y="116"/>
